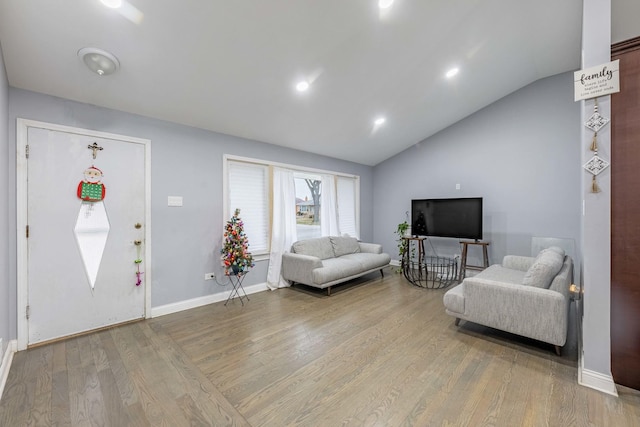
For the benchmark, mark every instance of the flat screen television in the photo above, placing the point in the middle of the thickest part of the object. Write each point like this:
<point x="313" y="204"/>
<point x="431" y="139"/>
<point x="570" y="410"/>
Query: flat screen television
<point x="460" y="218"/>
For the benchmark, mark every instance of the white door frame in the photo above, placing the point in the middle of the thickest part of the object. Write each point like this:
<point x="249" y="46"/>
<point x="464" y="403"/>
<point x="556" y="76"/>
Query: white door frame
<point x="21" y="214"/>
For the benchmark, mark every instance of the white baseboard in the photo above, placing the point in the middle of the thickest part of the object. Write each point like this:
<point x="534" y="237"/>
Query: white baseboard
<point x="200" y="301"/>
<point x="12" y="347"/>
<point x="395" y="263"/>
<point x="596" y="380"/>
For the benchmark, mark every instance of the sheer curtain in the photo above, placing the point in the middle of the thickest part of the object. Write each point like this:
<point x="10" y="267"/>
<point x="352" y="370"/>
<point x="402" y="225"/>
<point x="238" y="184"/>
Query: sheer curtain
<point x="347" y="206"/>
<point x="283" y="230"/>
<point x="328" y="211"/>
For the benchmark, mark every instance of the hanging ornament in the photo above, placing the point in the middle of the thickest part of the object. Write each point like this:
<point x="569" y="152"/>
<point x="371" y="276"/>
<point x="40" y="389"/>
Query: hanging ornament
<point x="594" y="142"/>
<point x="138" y="261"/>
<point x="594" y="185"/>
<point x="596" y="121"/>
<point x="91" y="189"/>
<point x="92" y="225"/>
<point x="595" y="165"/>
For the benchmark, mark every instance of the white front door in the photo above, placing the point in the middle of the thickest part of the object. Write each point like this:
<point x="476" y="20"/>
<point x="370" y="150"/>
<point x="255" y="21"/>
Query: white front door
<point x="86" y="261"/>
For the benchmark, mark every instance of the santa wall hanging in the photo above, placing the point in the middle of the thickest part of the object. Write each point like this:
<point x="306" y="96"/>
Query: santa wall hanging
<point x="91" y="189"/>
<point x="92" y="224"/>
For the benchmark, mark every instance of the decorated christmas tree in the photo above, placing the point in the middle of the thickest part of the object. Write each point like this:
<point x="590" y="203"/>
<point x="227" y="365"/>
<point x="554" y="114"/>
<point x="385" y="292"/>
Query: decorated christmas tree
<point x="235" y="247"/>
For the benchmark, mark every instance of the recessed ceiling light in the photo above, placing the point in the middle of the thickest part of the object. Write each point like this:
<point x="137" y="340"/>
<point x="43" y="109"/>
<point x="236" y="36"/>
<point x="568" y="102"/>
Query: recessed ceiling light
<point x="452" y="72"/>
<point x="379" y="121"/>
<point x="99" y="61"/>
<point x="113" y="4"/>
<point x="302" y="86"/>
<point x="384" y="4"/>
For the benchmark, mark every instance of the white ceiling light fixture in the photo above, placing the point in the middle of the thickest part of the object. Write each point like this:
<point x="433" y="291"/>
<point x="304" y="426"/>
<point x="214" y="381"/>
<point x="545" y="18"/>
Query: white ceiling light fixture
<point x="302" y="86"/>
<point x="379" y="121"/>
<point x="113" y="4"/>
<point x="385" y="4"/>
<point x="99" y="61"/>
<point x="452" y="72"/>
<point x="125" y="9"/>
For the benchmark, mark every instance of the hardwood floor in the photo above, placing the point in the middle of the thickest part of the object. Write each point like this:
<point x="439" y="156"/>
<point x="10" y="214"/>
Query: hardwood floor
<point x="377" y="352"/>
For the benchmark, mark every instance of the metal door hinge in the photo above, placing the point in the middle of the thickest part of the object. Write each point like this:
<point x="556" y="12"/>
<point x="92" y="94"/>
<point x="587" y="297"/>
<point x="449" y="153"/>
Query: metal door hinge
<point x="27" y="231"/>
<point x="28" y="312"/>
<point x="26" y="151"/>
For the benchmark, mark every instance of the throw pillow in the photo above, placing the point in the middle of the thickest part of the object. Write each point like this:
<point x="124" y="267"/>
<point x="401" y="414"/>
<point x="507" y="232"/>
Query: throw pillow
<point x="344" y="245"/>
<point x="319" y="247"/>
<point x="555" y="249"/>
<point x="541" y="273"/>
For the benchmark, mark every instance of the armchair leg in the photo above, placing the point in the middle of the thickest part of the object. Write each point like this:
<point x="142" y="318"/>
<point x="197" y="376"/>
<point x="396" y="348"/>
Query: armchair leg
<point x="558" y="349"/>
<point x="329" y="291"/>
<point x="382" y="272"/>
<point x="457" y="321"/>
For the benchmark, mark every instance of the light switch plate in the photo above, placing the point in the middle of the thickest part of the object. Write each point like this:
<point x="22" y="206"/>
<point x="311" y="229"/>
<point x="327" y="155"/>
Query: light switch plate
<point x="174" y="200"/>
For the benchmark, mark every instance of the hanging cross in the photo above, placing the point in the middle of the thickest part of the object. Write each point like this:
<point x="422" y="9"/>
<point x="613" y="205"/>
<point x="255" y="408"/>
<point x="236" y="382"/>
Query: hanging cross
<point x="95" y="148"/>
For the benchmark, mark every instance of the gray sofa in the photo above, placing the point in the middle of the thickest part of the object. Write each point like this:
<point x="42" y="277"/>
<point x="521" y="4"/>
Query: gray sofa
<point x="525" y="296"/>
<point x="326" y="261"/>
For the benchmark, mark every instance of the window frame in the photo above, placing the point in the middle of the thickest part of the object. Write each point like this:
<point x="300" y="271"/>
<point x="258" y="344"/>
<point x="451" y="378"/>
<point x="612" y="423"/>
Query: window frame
<point x="226" y="198"/>
<point x="356" y="207"/>
<point x="259" y="256"/>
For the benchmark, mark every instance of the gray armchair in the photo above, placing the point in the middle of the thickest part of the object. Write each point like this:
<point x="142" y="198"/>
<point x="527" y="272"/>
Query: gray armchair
<point x="524" y="295"/>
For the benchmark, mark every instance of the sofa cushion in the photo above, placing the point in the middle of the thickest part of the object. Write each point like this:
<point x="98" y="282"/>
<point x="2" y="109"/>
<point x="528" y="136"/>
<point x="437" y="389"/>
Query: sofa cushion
<point x="498" y="273"/>
<point x="344" y="245"/>
<point x="319" y="247"/>
<point x="335" y="269"/>
<point x="368" y="261"/>
<point x="547" y="264"/>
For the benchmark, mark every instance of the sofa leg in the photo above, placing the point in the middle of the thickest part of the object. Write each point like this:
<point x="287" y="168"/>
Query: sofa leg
<point x="329" y="291"/>
<point x="558" y="349"/>
<point x="382" y="272"/>
<point x="457" y="321"/>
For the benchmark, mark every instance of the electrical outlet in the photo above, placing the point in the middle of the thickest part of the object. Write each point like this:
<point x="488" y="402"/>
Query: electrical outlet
<point x="209" y="276"/>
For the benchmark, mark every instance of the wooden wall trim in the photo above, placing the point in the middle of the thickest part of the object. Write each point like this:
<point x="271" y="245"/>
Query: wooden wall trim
<point x="625" y="46"/>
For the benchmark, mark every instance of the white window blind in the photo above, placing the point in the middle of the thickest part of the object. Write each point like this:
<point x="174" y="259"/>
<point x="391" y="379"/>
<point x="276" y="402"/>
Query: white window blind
<point x="249" y="191"/>
<point x="346" y="198"/>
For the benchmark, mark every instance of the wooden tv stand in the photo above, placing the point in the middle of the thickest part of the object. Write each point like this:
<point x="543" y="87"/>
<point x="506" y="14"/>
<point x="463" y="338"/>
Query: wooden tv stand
<point x="463" y="261"/>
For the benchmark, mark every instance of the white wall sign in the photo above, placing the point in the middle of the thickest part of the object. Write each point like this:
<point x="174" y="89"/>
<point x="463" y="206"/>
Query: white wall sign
<point x="597" y="81"/>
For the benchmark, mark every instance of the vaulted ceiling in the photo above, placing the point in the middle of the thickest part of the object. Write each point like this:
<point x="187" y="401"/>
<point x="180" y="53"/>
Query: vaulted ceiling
<point x="233" y="66"/>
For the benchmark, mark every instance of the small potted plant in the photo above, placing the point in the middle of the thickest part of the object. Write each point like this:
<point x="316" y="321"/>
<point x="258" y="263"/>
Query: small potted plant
<point x="403" y="244"/>
<point x="235" y="255"/>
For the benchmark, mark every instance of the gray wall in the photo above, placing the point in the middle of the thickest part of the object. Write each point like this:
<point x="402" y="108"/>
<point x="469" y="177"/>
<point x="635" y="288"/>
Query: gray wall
<point x="186" y="162"/>
<point x="5" y="301"/>
<point x="521" y="154"/>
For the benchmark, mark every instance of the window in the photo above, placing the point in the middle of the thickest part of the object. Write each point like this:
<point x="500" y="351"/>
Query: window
<point x="248" y="190"/>
<point x="347" y="197"/>
<point x="308" y="200"/>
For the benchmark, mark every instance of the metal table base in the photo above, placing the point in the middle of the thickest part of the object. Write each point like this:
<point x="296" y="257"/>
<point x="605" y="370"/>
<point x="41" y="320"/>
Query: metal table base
<point x="236" y="283"/>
